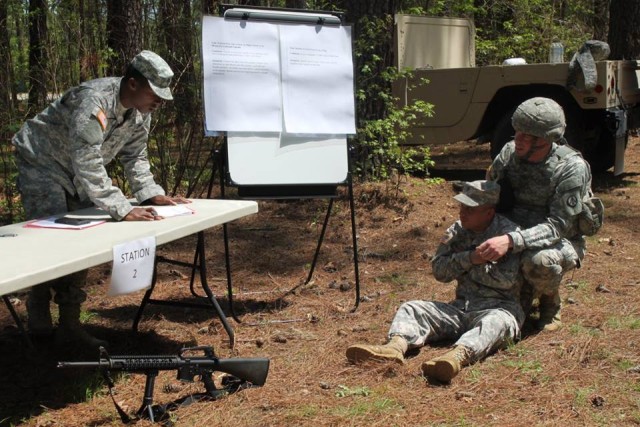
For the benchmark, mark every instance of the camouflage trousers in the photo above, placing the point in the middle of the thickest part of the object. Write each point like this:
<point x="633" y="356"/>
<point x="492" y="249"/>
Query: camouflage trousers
<point x="482" y="331"/>
<point x="42" y="197"/>
<point x="543" y="269"/>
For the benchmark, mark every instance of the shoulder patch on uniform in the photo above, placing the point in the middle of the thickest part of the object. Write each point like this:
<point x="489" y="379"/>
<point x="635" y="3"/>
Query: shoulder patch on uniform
<point x="572" y="201"/>
<point x="102" y="119"/>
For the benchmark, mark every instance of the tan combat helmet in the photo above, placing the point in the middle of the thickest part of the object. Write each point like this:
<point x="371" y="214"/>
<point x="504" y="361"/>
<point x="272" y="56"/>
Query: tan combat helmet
<point x="541" y="117"/>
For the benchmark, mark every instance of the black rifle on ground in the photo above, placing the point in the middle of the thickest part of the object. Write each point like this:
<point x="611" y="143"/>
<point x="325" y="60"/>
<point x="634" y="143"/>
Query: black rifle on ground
<point x="243" y="373"/>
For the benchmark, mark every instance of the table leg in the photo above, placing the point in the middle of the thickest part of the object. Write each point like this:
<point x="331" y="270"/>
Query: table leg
<point x="207" y="290"/>
<point x="16" y="319"/>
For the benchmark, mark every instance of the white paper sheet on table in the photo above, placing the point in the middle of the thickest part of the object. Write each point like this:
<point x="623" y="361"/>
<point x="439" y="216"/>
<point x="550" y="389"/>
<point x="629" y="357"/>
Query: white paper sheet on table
<point x="167" y="211"/>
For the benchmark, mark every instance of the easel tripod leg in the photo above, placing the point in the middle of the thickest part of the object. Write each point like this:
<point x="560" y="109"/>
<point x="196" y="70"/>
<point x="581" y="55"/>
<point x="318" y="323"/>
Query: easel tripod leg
<point x="354" y="238"/>
<point x="324" y="229"/>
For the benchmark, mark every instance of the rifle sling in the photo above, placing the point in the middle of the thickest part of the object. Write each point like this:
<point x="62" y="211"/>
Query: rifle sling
<point x="126" y="419"/>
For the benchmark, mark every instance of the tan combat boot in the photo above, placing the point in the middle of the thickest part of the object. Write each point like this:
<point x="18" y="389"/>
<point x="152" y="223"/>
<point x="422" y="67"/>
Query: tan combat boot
<point x="550" y="312"/>
<point x="447" y="366"/>
<point x="39" y="314"/>
<point x="71" y="331"/>
<point x="393" y="350"/>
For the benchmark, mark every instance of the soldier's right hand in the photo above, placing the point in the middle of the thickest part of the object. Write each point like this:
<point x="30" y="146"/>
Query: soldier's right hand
<point x="142" y="214"/>
<point x="494" y="248"/>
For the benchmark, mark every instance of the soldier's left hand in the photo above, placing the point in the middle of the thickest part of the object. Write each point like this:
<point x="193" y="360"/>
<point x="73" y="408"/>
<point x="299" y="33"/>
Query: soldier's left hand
<point x="166" y="200"/>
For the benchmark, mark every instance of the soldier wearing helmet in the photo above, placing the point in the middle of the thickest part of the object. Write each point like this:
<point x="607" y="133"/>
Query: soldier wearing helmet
<point x="549" y="182"/>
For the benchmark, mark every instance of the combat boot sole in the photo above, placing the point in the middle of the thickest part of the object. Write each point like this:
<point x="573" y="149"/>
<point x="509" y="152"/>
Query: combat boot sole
<point x="441" y="370"/>
<point x="360" y="353"/>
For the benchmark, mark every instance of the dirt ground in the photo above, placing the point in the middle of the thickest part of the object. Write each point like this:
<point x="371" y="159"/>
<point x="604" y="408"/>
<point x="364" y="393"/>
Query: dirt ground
<point x="586" y="374"/>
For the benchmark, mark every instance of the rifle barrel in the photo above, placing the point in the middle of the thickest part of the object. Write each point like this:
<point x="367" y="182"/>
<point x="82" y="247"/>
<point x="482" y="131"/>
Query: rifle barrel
<point x="81" y="364"/>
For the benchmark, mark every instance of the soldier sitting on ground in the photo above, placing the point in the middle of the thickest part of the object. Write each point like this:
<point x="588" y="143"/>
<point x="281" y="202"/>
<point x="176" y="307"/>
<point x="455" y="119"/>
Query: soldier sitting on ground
<point x="485" y="314"/>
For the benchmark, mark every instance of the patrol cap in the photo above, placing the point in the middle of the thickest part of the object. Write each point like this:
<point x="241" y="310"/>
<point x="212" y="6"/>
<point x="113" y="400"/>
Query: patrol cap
<point x="479" y="193"/>
<point x="541" y="117"/>
<point x="156" y="71"/>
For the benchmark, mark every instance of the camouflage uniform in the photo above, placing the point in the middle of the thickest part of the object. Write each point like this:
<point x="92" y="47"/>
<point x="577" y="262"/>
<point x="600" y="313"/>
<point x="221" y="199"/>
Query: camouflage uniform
<point x="486" y="313"/>
<point x="67" y="146"/>
<point x="62" y="152"/>
<point x="547" y="199"/>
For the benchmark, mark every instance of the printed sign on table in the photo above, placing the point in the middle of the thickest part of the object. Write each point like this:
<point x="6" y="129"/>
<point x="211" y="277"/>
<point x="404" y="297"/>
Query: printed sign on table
<point x="132" y="266"/>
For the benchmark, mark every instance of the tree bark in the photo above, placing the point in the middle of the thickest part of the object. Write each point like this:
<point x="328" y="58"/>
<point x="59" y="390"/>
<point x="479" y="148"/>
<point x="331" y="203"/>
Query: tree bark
<point x="210" y="7"/>
<point x="37" y="53"/>
<point x="124" y="29"/>
<point x="624" y="32"/>
<point x="374" y="107"/>
<point x="296" y="4"/>
<point x="6" y="74"/>
<point x="89" y="49"/>
<point x="600" y="20"/>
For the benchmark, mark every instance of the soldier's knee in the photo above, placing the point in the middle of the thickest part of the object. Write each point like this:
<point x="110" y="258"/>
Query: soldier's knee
<point x="546" y="260"/>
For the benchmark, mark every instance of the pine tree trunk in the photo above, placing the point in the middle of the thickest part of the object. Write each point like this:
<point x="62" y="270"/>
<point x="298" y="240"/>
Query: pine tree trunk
<point x="124" y="29"/>
<point x="600" y="21"/>
<point x="296" y="4"/>
<point x="89" y="49"/>
<point x="6" y="74"/>
<point x="624" y="31"/>
<point x="37" y="53"/>
<point x="383" y="9"/>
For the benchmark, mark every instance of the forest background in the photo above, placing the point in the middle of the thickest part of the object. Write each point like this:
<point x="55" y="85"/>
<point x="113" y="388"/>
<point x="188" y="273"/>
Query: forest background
<point x="586" y="374"/>
<point x="47" y="46"/>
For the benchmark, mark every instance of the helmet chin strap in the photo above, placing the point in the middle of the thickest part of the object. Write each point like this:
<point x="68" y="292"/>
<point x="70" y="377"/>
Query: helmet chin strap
<point x="533" y="149"/>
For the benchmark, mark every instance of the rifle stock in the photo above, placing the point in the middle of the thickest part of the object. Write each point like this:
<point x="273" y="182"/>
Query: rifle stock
<point x="252" y="370"/>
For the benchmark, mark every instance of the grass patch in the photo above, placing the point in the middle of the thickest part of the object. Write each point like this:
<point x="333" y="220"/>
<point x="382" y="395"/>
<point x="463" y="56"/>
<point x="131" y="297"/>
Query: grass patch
<point x="368" y="408"/>
<point x="394" y="279"/>
<point x="579" y="329"/>
<point x="619" y="214"/>
<point x="460" y="422"/>
<point x="531" y="367"/>
<point x="581" y="396"/>
<point x="86" y="316"/>
<point x="304" y="411"/>
<point x="624" y="322"/>
<point x="624" y="364"/>
<point x="345" y="391"/>
<point x="578" y="285"/>
<point x="473" y="374"/>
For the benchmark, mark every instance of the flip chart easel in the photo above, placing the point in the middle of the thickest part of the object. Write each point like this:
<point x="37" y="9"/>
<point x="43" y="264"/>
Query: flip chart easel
<point x="298" y="151"/>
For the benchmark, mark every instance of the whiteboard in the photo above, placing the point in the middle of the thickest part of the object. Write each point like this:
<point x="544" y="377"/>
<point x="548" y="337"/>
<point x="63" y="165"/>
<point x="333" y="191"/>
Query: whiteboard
<point x="286" y="159"/>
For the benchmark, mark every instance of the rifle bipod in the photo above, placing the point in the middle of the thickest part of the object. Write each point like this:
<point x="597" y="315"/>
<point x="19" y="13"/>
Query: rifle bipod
<point x="162" y="413"/>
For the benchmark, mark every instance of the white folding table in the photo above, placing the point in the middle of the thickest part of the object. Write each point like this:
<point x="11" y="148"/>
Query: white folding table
<point x="29" y="256"/>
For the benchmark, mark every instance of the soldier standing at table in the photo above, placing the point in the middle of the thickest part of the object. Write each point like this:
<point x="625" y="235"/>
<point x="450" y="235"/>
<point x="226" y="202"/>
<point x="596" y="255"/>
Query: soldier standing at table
<point x="61" y="156"/>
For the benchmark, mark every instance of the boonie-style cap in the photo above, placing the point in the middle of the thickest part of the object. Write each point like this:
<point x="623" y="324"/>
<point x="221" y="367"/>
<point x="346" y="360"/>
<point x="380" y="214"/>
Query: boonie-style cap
<point x="479" y="193"/>
<point x="156" y="71"/>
